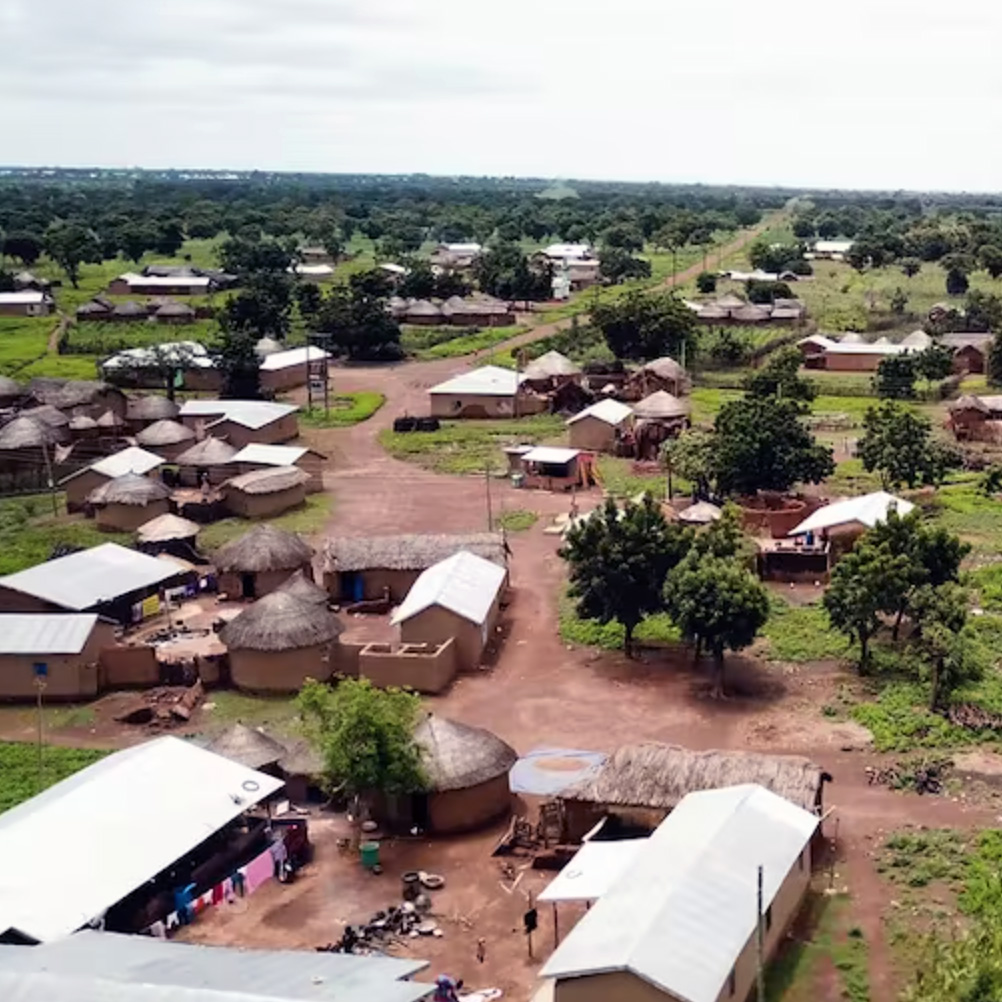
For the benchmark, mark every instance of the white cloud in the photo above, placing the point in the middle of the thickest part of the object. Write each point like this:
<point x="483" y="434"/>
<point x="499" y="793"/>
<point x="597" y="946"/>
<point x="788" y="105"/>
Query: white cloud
<point x="863" y="93"/>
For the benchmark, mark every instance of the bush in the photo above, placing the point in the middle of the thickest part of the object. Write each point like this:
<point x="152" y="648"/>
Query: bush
<point x="706" y="282"/>
<point x="346" y="409"/>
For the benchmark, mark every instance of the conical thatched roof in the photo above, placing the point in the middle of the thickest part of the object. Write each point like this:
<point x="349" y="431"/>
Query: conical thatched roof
<point x="264" y="548"/>
<point x="660" y="405"/>
<point x="851" y="338"/>
<point x="9" y="387"/>
<point x="301" y="759"/>
<point x="306" y="590"/>
<point x="26" y="433"/>
<point x="665" y="368"/>
<point x="280" y="622"/>
<point x="456" y="756"/>
<point x="550" y="365"/>
<point x="209" y="452"/>
<point x="165" y="528"/>
<point x="248" y="746"/>
<point x="269" y="481"/>
<point x="152" y="409"/>
<point x="130" y="488"/>
<point x="266" y="346"/>
<point x="109" y="419"/>
<point x="82" y="423"/>
<point x="969" y="402"/>
<point x="701" y="513"/>
<point x="67" y="392"/>
<point x="48" y="415"/>
<point x="165" y="433"/>
<point x="130" y="308"/>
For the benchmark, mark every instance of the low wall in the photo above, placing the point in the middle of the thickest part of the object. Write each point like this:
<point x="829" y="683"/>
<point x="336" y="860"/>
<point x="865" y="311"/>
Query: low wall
<point x="427" y="668"/>
<point x="775" y="515"/>
<point x="127" y="666"/>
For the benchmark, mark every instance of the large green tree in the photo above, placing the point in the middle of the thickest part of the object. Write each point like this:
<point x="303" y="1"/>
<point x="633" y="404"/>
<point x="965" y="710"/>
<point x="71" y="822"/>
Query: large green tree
<point x="646" y="325"/>
<point x="718" y="605"/>
<point x="26" y="247"/>
<point x="690" y="456"/>
<point x="762" y="444"/>
<point x="951" y="659"/>
<point x="895" y="379"/>
<point x="359" y="325"/>
<point x="71" y="245"/>
<point x="506" y="272"/>
<point x="897" y="443"/>
<point x="780" y="377"/>
<point x="619" y="558"/>
<point x="618" y="265"/>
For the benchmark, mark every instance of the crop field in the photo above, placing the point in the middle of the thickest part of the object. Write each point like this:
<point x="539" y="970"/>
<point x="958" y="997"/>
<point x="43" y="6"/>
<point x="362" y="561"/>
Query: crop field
<point x="19" y="768"/>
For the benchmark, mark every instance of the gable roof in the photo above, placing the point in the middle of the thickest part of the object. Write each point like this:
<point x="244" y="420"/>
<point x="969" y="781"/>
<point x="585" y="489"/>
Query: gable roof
<point x="45" y="632"/>
<point x="608" y="411"/>
<point x="82" y="580"/>
<point x="251" y="414"/>
<point x="683" y="911"/>
<point x="464" y="584"/>
<point x="132" y="814"/>
<point x="487" y="381"/>
<point x="293" y="356"/>
<point x="130" y="460"/>
<point x="866" y="510"/>
<point x="271" y="455"/>
<point x="967" y="339"/>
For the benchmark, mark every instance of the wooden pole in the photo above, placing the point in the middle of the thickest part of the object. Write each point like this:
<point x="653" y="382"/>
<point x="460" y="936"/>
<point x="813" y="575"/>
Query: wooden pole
<point x="760" y="943"/>
<point x="487" y="487"/>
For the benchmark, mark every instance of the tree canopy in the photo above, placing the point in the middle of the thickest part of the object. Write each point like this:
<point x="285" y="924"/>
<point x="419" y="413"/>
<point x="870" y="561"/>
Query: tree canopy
<point x="780" y="377"/>
<point x="646" y="325"/>
<point x="897" y="443"/>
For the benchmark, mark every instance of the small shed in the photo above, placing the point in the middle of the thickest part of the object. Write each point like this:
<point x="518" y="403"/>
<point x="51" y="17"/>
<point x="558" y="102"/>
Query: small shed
<point x="168" y="438"/>
<point x="279" y="642"/>
<point x="125" y="503"/>
<point x="262" y="457"/>
<point x="142" y="411"/>
<point x="79" y="485"/>
<point x="260" y="561"/>
<point x="599" y="427"/>
<point x="266" y="493"/>
<point x="553" y="468"/>
<point x="209" y="458"/>
<point x="458" y="598"/>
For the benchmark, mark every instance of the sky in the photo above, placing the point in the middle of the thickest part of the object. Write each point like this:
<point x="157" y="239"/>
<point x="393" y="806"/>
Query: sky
<point x="851" y="94"/>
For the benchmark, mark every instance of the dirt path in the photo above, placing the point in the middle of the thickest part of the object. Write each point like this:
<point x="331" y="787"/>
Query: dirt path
<point x="57" y="332"/>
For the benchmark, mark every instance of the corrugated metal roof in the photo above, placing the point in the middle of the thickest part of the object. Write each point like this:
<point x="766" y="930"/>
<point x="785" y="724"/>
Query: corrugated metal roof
<point x="593" y="870"/>
<point x="488" y="381"/>
<point x="285" y="974"/>
<point x="111" y="827"/>
<point x="45" y="632"/>
<point x="130" y="460"/>
<point x="610" y="411"/>
<point x="843" y="348"/>
<point x="252" y="414"/>
<point x="294" y="356"/>
<point x="81" y="580"/>
<point x="188" y="354"/>
<point x="463" y="583"/>
<point x="28" y="297"/>
<point x="193" y="281"/>
<point x="866" y="510"/>
<point x="683" y="911"/>
<point x="270" y="455"/>
<point x="550" y="454"/>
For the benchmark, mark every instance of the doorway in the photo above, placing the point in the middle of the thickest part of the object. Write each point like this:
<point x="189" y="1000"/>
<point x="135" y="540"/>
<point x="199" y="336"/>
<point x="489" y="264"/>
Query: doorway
<point x="248" y="586"/>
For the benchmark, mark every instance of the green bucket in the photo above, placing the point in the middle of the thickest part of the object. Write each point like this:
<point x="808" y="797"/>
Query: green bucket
<point x="370" y="854"/>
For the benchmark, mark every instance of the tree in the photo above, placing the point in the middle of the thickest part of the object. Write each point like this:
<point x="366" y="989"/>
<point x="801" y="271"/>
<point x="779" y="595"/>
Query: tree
<point x="26" y="247"/>
<point x="956" y="282"/>
<point x="623" y="236"/>
<point x="766" y="292"/>
<point x="134" y="240"/>
<point x="309" y="299"/>
<point x="982" y="312"/>
<point x="911" y="266"/>
<point x="239" y="363"/>
<point x="899" y="301"/>
<point x="364" y="735"/>
<point x="950" y="658"/>
<point x="718" y="605"/>
<point x="990" y="256"/>
<point x="419" y="282"/>
<point x="780" y="377"/>
<point x="762" y="444"/>
<point x="934" y="363"/>
<point x="262" y="307"/>
<point x="994" y="361"/>
<point x="359" y="325"/>
<point x="706" y="282"/>
<point x="71" y="245"/>
<point x="618" y="265"/>
<point x="619" y="559"/>
<point x="646" y="325"/>
<point x="691" y="457"/>
<point x="169" y="238"/>
<point x="895" y="379"/>
<point x="241" y="256"/>
<point x="505" y="272"/>
<point x="897" y="443"/>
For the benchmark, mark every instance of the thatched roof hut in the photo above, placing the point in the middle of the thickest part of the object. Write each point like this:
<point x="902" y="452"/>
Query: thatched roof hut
<point x="661" y="406"/>
<point x="656" y="775"/>
<point x="700" y="513"/>
<point x="306" y="590"/>
<point x="969" y="402"/>
<point x="264" y="548"/>
<point x="153" y="408"/>
<point x="67" y="393"/>
<point x="210" y="451"/>
<point x="551" y="365"/>
<point x="130" y="489"/>
<point x="82" y="425"/>
<point x="166" y="529"/>
<point x="456" y="756"/>
<point x="10" y="389"/>
<point x="129" y="310"/>
<point x="280" y="622"/>
<point x="109" y="420"/>
<point x="665" y="368"/>
<point x="414" y="552"/>
<point x="269" y="481"/>
<point x="266" y="493"/>
<point x="26" y="433"/>
<point x="48" y="415"/>
<point x="165" y="433"/>
<point x="248" y="746"/>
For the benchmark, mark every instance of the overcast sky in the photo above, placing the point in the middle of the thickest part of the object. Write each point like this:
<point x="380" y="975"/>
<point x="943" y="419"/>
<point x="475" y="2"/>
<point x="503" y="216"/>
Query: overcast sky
<point x="856" y="93"/>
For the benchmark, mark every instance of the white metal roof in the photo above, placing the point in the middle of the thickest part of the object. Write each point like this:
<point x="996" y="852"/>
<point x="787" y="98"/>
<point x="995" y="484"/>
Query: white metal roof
<point x="463" y="583"/>
<point x="682" y="912"/>
<point x="610" y="411"/>
<point x="288" y="974"/>
<point x="27" y="297"/>
<point x="863" y="348"/>
<point x="293" y="356"/>
<point x="832" y="246"/>
<point x="393" y="268"/>
<point x="81" y="580"/>
<point x="108" y="829"/>
<point x="130" y="460"/>
<point x="593" y="870"/>
<point x="550" y="454"/>
<point x="189" y="354"/>
<point x="192" y="281"/>
<point x="819" y="339"/>
<point x="463" y="248"/>
<point x="45" y="632"/>
<point x="487" y="381"/>
<point x="866" y="510"/>
<point x="568" y="250"/>
<point x="312" y="270"/>
<point x="252" y="414"/>
<point x="270" y="455"/>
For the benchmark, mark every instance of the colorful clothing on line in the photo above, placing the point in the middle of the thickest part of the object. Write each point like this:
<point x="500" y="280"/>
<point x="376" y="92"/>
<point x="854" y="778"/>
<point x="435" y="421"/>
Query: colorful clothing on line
<point x="259" y="870"/>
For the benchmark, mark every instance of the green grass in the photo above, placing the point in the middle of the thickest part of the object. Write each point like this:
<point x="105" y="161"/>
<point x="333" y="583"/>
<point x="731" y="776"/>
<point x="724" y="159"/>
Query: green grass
<point x="470" y="446"/>
<point x="277" y="713"/>
<point x="22" y="341"/>
<point x="972" y="515"/>
<point x="346" y="409"/>
<point x="19" y="768"/>
<point x="307" y="520"/>
<point x="801" y="634"/>
<point x="654" y="630"/>
<point x="90" y="338"/>
<point x="450" y="342"/>
<point x="516" y="520"/>
<point x="62" y="367"/>
<point x="619" y="480"/>
<point x="29" y="532"/>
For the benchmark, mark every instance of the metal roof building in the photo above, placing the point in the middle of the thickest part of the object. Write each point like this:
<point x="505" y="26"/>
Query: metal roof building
<point x="95" y="965"/>
<point x="45" y="633"/>
<point x="293" y="356"/>
<point x="465" y="584"/>
<point x="489" y="380"/>
<point x="108" y="829"/>
<point x="682" y="917"/>
<point x="864" y="511"/>
<point x="609" y="411"/>
<point x="253" y="414"/>
<point x="270" y="455"/>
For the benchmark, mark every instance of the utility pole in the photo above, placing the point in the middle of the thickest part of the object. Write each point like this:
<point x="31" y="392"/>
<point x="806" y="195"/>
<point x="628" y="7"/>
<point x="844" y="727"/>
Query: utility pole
<point x="48" y="477"/>
<point x="760" y="943"/>
<point x="41" y="672"/>
<point x="487" y="488"/>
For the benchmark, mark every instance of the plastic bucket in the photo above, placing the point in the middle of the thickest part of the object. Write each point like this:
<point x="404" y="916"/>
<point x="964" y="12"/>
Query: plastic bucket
<point x="370" y="854"/>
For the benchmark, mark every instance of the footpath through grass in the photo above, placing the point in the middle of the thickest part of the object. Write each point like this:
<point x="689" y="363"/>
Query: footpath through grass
<point x="23" y="340"/>
<point x="426" y="343"/>
<point x="19" y="769"/>
<point x="307" y="520"/>
<point x="346" y="409"/>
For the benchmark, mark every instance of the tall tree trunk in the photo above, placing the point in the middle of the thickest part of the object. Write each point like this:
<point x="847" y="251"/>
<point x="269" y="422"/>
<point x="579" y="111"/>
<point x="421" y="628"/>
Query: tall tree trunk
<point x="935" y="683"/>
<point x="718" y="673"/>
<point x="897" y="622"/>
<point x="628" y="639"/>
<point x="697" y="652"/>
<point x="864" y="652"/>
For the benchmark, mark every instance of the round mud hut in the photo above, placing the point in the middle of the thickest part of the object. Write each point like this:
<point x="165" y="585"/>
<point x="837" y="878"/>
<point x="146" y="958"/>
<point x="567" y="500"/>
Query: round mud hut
<point x="10" y="391"/>
<point x="26" y="448"/>
<point x="279" y="642"/>
<point x="266" y="493"/>
<point x="466" y="769"/>
<point x="129" y="501"/>
<point x="166" y="438"/>
<point x="250" y="747"/>
<point x="260" y="561"/>
<point x="82" y="426"/>
<point x="143" y="411"/>
<point x="169" y="534"/>
<point x="208" y="458"/>
<point x="110" y="422"/>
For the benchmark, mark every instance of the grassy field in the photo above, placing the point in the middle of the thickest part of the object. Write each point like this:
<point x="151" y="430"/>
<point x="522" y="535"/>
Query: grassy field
<point x="23" y="340"/>
<point x="104" y="339"/>
<point x="426" y="343"/>
<point x="800" y="634"/>
<point x="346" y="409"/>
<point x="516" y="520"/>
<point x="470" y="446"/>
<point x="309" y="519"/>
<point x="19" y="768"/>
